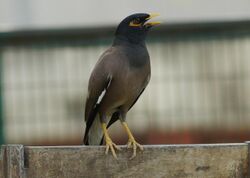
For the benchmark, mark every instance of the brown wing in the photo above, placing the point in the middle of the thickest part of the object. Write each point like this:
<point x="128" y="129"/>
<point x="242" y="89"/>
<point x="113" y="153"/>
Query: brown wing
<point x="98" y="82"/>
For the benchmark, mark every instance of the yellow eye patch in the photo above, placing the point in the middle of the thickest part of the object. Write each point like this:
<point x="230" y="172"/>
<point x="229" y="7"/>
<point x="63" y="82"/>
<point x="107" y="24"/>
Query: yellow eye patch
<point x="135" y="23"/>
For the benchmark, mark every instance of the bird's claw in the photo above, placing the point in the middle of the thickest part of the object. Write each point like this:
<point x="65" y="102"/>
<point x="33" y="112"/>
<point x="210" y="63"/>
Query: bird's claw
<point x="112" y="146"/>
<point x="133" y="144"/>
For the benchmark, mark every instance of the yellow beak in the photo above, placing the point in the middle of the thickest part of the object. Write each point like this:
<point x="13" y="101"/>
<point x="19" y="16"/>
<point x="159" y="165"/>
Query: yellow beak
<point x="152" y="16"/>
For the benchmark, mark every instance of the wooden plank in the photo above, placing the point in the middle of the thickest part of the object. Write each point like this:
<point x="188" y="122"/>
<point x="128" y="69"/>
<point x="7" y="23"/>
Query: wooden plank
<point x="208" y="161"/>
<point x="248" y="160"/>
<point x="2" y="161"/>
<point x="12" y="161"/>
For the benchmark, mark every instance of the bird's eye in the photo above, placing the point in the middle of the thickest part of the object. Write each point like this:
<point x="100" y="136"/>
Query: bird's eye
<point x="136" y="21"/>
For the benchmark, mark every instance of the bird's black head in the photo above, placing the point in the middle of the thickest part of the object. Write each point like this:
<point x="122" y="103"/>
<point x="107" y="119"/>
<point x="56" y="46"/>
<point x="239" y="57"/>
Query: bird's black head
<point x="134" y="28"/>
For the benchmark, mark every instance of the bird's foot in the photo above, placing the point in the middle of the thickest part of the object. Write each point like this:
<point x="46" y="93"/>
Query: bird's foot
<point x="112" y="146"/>
<point x="109" y="143"/>
<point x="133" y="144"/>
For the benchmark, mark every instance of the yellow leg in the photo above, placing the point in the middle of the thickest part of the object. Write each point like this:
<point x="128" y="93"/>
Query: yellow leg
<point x="109" y="143"/>
<point x="131" y="140"/>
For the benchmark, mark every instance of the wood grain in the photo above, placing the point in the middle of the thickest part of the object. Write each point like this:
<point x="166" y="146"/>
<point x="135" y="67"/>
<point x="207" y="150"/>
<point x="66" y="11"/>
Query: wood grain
<point x="12" y="161"/>
<point x="207" y="160"/>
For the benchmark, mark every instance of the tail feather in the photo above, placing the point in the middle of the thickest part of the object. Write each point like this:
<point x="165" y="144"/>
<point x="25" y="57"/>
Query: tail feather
<point x="93" y="129"/>
<point x="93" y="133"/>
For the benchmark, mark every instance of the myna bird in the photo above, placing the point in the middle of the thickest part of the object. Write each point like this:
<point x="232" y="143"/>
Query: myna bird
<point x="117" y="81"/>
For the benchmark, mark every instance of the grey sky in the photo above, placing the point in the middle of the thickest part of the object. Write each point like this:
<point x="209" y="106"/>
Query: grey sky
<point x="33" y="14"/>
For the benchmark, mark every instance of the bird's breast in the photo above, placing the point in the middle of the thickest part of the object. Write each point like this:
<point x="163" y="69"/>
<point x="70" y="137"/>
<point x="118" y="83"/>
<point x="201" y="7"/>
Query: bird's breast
<point x="130" y="74"/>
<point x="137" y="56"/>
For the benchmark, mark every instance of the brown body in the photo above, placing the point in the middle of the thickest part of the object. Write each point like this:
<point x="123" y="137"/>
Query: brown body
<point x="118" y="70"/>
<point x="117" y="81"/>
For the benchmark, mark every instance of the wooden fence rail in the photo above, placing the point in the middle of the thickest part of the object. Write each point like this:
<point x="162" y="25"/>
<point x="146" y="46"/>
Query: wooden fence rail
<point x="192" y="161"/>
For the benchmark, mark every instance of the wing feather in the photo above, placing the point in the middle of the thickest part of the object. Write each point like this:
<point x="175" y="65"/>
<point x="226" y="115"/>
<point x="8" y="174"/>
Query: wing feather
<point x="99" y="82"/>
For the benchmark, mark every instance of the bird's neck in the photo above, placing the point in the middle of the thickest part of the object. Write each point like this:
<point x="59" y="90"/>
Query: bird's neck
<point x="123" y="40"/>
<point x="136" y="53"/>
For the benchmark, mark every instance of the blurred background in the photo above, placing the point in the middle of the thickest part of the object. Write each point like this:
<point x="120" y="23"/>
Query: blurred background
<point x="200" y="56"/>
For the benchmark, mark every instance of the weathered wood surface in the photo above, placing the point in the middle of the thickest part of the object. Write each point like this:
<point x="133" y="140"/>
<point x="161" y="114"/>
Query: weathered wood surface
<point x="248" y="160"/>
<point x="12" y="161"/>
<point x="191" y="161"/>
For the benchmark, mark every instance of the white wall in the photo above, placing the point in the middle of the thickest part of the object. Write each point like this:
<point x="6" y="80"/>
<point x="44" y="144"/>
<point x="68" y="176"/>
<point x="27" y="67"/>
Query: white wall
<point x="23" y="14"/>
